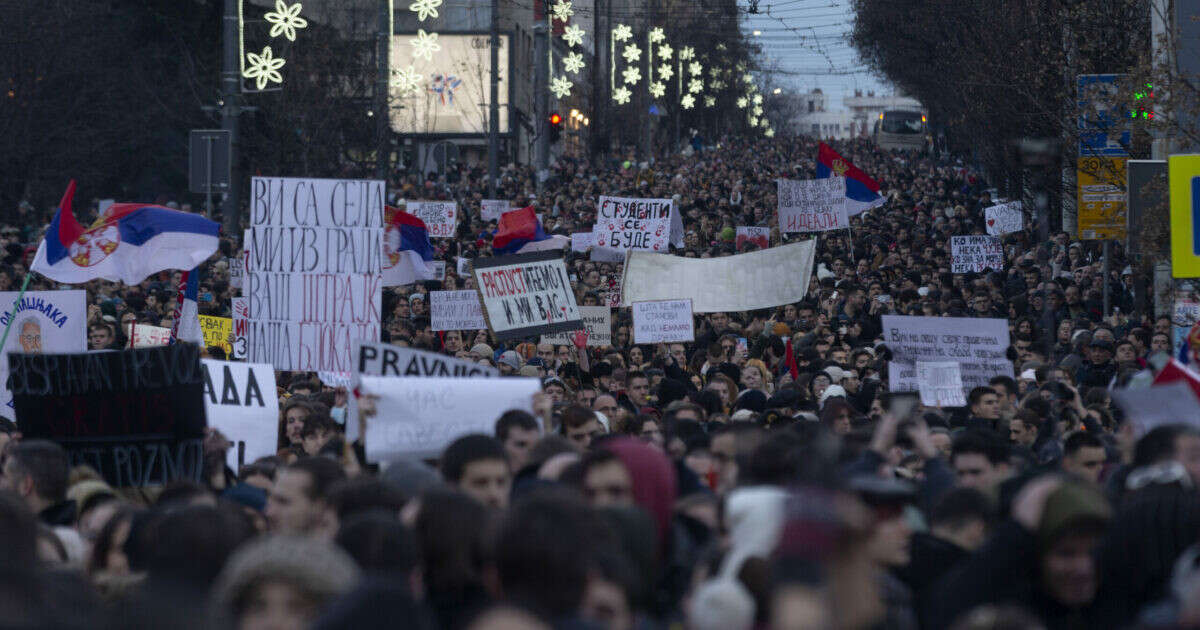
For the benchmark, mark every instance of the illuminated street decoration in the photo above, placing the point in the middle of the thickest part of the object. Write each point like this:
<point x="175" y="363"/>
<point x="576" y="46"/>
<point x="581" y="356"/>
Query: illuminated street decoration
<point x="425" y="44"/>
<point x="425" y="9"/>
<point x="264" y="68"/>
<point x="285" y="20"/>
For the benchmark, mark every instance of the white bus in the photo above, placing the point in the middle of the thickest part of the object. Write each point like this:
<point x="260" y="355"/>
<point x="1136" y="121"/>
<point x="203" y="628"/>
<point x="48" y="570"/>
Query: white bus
<point x="901" y="129"/>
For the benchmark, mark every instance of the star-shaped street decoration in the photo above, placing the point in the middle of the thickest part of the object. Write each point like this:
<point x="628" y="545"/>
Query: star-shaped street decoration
<point x="406" y="80"/>
<point x="560" y="86"/>
<point x="695" y="85"/>
<point x="425" y="9"/>
<point x="657" y="35"/>
<point x="770" y="133"/>
<point x="665" y="71"/>
<point x="573" y="35"/>
<point x="665" y="51"/>
<point x="687" y="52"/>
<point x="758" y="99"/>
<point x="562" y="11"/>
<point x="425" y="44"/>
<point x="657" y="89"/>
<point x="631" y="53"/>
<point x="631" y="75"/>
<point x="695" y="67"/>
<point x="573" y="62"/>
<point x="687" y="102"/>
<point x="709" y="101"/>
<point x="264" y="68"/>
<point x="742" y="102"/>
<point x="285" y="20"/>
<point x="621" y="95"/>
<point x="622" y="32"/>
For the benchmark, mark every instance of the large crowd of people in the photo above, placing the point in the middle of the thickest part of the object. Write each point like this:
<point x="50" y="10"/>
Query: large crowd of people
<point x="761" y="476"/>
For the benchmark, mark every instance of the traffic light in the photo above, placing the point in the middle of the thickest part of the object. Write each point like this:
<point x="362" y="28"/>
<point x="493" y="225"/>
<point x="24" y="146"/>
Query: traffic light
<point x="555" y="127"/>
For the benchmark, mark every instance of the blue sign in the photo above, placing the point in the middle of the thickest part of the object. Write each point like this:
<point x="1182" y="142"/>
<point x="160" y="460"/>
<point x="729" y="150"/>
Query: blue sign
<point x="1101" y="112"/>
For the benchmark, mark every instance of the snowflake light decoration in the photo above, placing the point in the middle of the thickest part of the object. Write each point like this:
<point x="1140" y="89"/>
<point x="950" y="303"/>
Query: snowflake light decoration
<point x="709" y="101"/>
<point x="695" y="67"/>
<point x="406" y="80"/>
<point x="657" y="89"/>
<point x="561" y="86"/>
<point x="621" y="95"/>
<point x="573" y="35"/>
<point x="717" y="84"/>
<point x="748" y="78"/>
<point x="657" y="35"/>
<point x="425" y="44"/>
<point x="264" y="68"/>
<point x="742" y="102"/>
<point x="285" y="20"/>
<point x="695" y="85"/>
<point x="631" y="75"/>
<point x="687" y="52"/>
<point x="758" y="99"/>
<point x="665" y="71"/>
<point x="622" y="32"/>
<point x="757" y="110"/>
<point x="665" y="51"/>
<point x="562" y="11"/>
<point x="573" y="62"/>
<point x="425" y="9"/>
<point x="753" y="120"/>
<point x="631" y="53"/>
<point x="770" y="133"/>
<point x="715" y="72"/>
<point x="687" y="102"/>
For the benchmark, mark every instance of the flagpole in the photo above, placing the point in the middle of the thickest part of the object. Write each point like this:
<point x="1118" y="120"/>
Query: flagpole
<point x="24" y="285"/>
<point x="177" y="314"/>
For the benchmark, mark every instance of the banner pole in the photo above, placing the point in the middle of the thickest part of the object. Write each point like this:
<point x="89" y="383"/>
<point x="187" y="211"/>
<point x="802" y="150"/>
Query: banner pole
<point x="13" y="318"/>
<point x="177" y="314"/>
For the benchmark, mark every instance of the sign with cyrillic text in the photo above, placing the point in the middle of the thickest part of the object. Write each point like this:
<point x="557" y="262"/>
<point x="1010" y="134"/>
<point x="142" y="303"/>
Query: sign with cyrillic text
<point x="940" y="384"/>
<point x="633" y="223"/>
<point x="597" y="321"/>
<point x="812" y="205"/>
<point x="665" y="321"/>
<point x="759" y="236"/>
<point x="976" y="253"/>
<point x="240" y="402"/>
<point x="456" y="310"/>
<point x="440" y="217"/>
<point x="45" y="322"/>
<point x="1003" y="218"/>
<point x="240" y="314"/>
<point x="979" y="346"/>
<point x="526" y="295"/>
<point x="491" y="209"/>
<point x="581" y="241"/>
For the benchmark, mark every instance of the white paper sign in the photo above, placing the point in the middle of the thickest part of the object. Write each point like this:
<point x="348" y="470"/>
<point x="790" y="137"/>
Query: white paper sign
<point x="812" y="205"/>
<point x="597" y="321"/>
<point x="665" y="321"/>
<point x="527" y="295"/>
<point x="49" y="322"/>
<point x="237" y="271"/>
<point x="440" y="217"/>
<point x="745" y="282"/>
<point x="491" y="209"/>
<point x="581" y="241"/>
<point x="759" y="236"/>
<point x="240" y="402"/>
<point x="940" y="384"/>
<point x="463" y="266"/>
<point x="456" y="310"/>
<point x="241" y="345"/>
<point x="977" y="345"/>
<point x="607" y="255"/>
<point x="1004" y="218"/>
<point x="1149" y="407"/>
<point x="976" y="253"/>
<point x="439" y="270"/>
<point x="419" y="417"/>
<point x="147" y="336"/>
<point x="315" y="280"/>
<point x="633" y="223"/>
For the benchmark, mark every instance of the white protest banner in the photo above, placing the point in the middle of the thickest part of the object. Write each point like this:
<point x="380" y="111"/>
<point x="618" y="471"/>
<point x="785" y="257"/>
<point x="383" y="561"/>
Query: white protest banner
<point x="491" y="209"/>
<point x="760" y="236"/>
<point x="241" y="345"/>
<point x="663" y="321"/>
<point x="456" y="310"/>
<point x="581" y="241"/>
<point x="315" y="279"/>
<point x="607" y="255"/>
<point x="1004" y="218"/>
<point x="47" y="322"/>
<point x="440" y="217"/>
<point x="419" y="417"/>
<point x="940" y="384"/>
<point x="977" y="345"/>
<point x="147" y="336"/>
<point x="527" y="294"/>
<point x="632" y="223"/>
<point x="439" y="270"/>
<point x="976" y="253"/>
<point x="812" y="205"/>
<point x="237" y="271"/>
<point x="744" y="282"/>
<point x="597" y="321"/>
<point x="462" y="266"/>
<point x="1167" y="403"/>
<point x="240" y="402"/>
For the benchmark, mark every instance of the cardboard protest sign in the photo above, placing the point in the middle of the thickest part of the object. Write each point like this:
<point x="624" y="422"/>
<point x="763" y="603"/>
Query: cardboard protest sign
<point x="419" y="417"/>
<point x="45" y="322"/>
<point x="976" y="253"/>
<point x="216" y="332"/>
<point x="136" y="416"/>
<point x="440" y="217"/>
<point x="581" y="241"/>
<point x="744" y="282"/>
<point x="632" y="223"/>
<point x="315" y="279"/>
<point x="491" y="209"/>
<point x="977" y="345"/>
<point x="664" y="321"/>
<point x="237" y="271"/>
<point x="759" y="236"/>
<point x="526" y="295"/>
<point x="240" y="314"/>
<point x="597" y="321"/>
<point x="1004" y="218"/>
<point x="940" y="384"/>
<point x="456" y="310"/>
<point x="240" y="402"/>
<point x="812" y="205"/>
<point x="147" y="336"/>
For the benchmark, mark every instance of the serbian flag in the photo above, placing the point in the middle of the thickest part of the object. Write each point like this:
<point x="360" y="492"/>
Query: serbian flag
<point x="186" y="326"/>
<point x="408" y="255"/>
<point x="862" y="192"/>
<point x="520" y="232"/>
<point x="128" y="242"/>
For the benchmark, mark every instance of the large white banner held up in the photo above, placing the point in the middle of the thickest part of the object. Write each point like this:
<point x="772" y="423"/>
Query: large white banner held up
<point x="761" y="279"/>
<point x="527" y="294"/>
<point x="240" y="401"/>
<point x="978" y="345"/>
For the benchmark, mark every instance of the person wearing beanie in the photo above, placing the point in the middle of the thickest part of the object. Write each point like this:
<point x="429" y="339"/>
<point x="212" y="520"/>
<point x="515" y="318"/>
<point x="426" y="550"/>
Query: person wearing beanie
<point x="509" y="363"/>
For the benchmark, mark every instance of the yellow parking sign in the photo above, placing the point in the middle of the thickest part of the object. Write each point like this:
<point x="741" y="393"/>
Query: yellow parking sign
<point x="1183" y="173"/>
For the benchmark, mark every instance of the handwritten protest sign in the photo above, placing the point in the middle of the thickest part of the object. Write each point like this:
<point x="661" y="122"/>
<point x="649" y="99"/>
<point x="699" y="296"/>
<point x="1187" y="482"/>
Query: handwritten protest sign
<point x="1003" y="218"/>
<point x="419" y="417"/>
<point x="812" y="205"/>
<point x="240" y="402"/>
<point x="45" y="322"/>
<point x="147" y="336"/>
<point x="607" y="254"/>
<point x="315" y="278"/>
<point x="977" y="345"/>
<point x="1150" y="407"/>
<point x="216" y="332"/>
<point x="976" y="253"/>
<point x="597" y="321"/>
<point x="456" y="310"/>
<point x="439" y="269"/>
<point x="743" y="282"/>
<point x="759" y="236"/>
<point x="527" y="294"/>
<point x="241" y="346"/>
<point x="136" y="416"/>
<point x="664" y="321"/>
<point x="940" y="384"/>
<point x="581" y="241"/>
<point x="440" y="217"/>
<point x="491" y="209"/>
<point x="237" y="271"/>
<point x="632" y="223"/>
<point x="463" y="266"/>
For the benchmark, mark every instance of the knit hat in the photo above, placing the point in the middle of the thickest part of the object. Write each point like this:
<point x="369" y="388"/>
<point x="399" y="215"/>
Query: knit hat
<point x="728" y="234"/>
<point x="511" y="359"/>
<point x="318" y="568"/>
<point x="751" y="399"/>
<point x="831" y="391"/>
<point x="1071" y="506"/>
<point x="483" y="350"/>
<point x="835" y="374"/>
<point x="530" y="371"/>
<point x="721" y="604"/>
